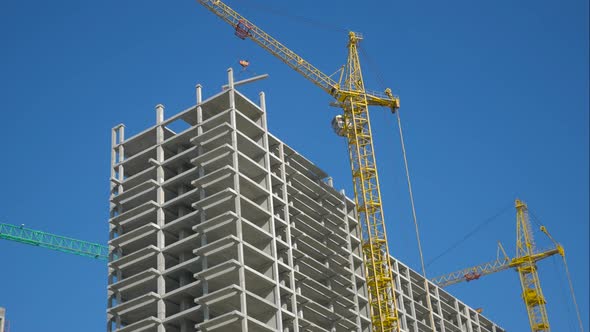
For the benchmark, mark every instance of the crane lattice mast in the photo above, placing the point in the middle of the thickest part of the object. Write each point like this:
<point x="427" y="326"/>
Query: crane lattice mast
<point x="532" y="293"/>
<point x="355" y="125"/>
<point x="54" y="242"/>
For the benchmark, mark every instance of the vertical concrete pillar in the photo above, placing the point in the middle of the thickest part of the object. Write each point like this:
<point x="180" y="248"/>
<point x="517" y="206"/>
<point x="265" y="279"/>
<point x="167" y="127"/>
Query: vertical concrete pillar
<point x="202" y="215"/>
<point x="160" y="217"/>
<point x="185" y="278"/>
<point x="330" y="181"/>
<point x="277" y="290"/>
<point x="198" y="89"/>
<point x="350" y="250"/>
<point x="112" y="230"/>
<point x="117" y="177"/>
<point x="230" y="84"/>
<point x="235" y="164"/>
<point x="289" y="238"/>
<point x="121" y="177"/>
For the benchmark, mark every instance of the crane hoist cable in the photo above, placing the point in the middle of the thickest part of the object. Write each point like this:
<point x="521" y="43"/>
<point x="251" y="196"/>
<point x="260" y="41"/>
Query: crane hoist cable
<point x="469" y="234"/>
<point x="401" y="136"/>
<point x="564" y="291"/>
<point x="404" y="154"/>
<point x="571" y="287"/>
<point x="426" y="287"/>
<point x="567" y="270"/>
<point x="410" y="190"/>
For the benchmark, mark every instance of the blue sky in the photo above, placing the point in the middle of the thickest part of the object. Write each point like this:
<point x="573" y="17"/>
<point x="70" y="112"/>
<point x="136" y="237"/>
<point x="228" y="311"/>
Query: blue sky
<point x="494" y="100"/>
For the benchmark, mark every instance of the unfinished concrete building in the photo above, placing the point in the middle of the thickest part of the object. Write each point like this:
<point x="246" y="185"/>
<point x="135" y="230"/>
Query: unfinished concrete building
<point x="217" y="225"/>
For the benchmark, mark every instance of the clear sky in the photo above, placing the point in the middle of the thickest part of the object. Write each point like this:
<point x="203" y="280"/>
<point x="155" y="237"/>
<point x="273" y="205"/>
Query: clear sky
<point x="494" y="98"/>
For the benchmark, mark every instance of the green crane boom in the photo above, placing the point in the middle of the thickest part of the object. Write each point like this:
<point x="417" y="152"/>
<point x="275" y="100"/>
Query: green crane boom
<point x="54" y="242"/>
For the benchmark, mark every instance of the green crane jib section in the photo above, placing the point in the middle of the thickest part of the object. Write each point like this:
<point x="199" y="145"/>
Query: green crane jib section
<point x="54" y="242"/>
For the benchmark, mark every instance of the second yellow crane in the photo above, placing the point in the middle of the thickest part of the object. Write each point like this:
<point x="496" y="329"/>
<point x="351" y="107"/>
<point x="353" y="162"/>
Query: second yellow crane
<point x="354" y="124"/>
<point x="525" y="263"/>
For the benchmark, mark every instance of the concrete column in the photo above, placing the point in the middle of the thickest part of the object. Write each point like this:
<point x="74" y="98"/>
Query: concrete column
<point x="199" y="94"/>
<point x="121" y="178"/>
<point x="350" y="258"/>
<point x="289" y="239"/>
<point x="117" y="177"/>
<point x="330" y="182"/>
<point x="185" y="278"/>
<point x="160" y="217"/>
<point x="202" y="216"/>
<point x="263" y="107"/>
<point x="230" y="83"/>
<point x="277" y="298"/>
<point x="112" y="231"/>
<point x="241" y="272"/>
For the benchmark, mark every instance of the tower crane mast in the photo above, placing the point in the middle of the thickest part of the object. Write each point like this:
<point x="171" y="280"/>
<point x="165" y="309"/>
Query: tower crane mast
<point x="532" y="293"/>
<point x="355" y="125"/>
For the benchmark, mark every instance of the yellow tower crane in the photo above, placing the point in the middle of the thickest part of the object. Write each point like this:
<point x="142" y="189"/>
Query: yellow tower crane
<point x="525" y="264"/>
<point x="355" y="125"/>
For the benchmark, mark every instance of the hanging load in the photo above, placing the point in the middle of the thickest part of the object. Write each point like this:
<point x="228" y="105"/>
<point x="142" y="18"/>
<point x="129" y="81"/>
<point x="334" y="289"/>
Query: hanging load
<point x="244" y="63"/>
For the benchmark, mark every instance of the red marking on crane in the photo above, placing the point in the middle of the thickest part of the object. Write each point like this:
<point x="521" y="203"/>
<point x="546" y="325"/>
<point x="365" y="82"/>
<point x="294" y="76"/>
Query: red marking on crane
<point x="472" y="276"/>
<point x="242" y="29"/>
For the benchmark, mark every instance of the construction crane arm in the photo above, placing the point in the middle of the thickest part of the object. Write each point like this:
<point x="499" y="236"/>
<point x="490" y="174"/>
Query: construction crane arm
<point x="476" y="272"/>
<point x="54" y="242"/>
<point x="471" y="273"/>
<point x="500" y="264"/>
<point x="246" y="29"/>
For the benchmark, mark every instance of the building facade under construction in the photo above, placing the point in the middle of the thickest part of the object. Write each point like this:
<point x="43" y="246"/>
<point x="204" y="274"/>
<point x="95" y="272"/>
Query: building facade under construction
<point x="217" y="225"/>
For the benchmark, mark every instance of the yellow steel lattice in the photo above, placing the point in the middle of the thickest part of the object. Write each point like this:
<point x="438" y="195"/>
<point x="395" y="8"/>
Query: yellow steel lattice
<point x="532" y="293"/>
<point x="368" y="196"/>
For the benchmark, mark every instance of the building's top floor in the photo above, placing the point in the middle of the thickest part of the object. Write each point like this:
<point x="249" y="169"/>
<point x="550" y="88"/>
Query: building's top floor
<point x="181" y="127"/>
